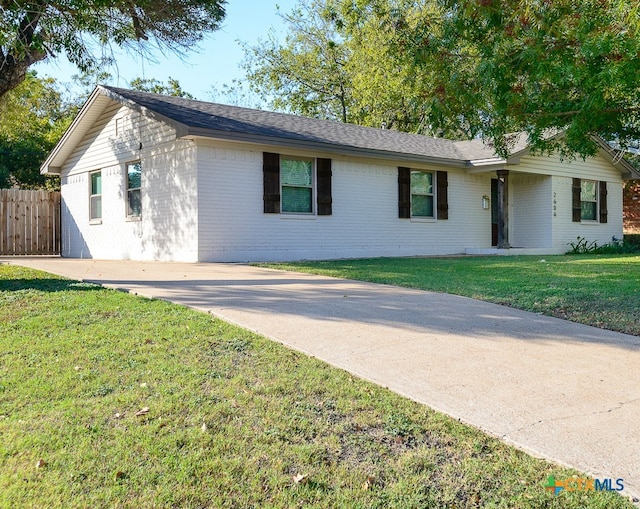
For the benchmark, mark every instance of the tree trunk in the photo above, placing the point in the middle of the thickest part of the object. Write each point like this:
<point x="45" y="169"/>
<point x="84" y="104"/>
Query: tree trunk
<point x="16" y="60"/>
<point x="13" y="72"/>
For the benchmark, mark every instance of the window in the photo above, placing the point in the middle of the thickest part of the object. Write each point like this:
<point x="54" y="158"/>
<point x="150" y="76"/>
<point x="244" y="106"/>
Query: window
<point x="589" y="200"/>
<point x="95" y="196"/>
<point x="296" y="180"/>
<point x="134" y="181"/>
<point x="421" y="194"/>
<point x="289" y="185"/>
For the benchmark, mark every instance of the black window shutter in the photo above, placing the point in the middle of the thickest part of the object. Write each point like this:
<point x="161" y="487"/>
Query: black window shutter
<point x="271" y="182"/>
<point x="404" y="192"/>
<point x="603" y="201"/>
<point x="324" y="187"/>
<point x="442" y="183"/>
<point x="577" y="205"/>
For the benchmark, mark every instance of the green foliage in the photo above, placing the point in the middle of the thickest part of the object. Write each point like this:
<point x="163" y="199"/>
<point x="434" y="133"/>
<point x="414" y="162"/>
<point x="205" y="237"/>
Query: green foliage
<point x="33" y="31"/>
<point x="157" y="87"/>
<point x="308" y="75"/>
<point x="463" y="69"/>
<point x="539" y="67"/>
<point x="616" y="246"/>
<point x="231" y="418"/>
<point x="387" y="88"/>
<point x="386" y="92"/>
<point x="632" y="239"/>
<point x="335" y="64"/>
<point x="582" y="246"/>
<point x="237" y="93"/>
<point x="33" y="117"/>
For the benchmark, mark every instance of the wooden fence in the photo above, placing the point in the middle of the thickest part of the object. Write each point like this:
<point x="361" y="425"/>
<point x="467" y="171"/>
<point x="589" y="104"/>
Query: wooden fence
<point x="29" y="222"/>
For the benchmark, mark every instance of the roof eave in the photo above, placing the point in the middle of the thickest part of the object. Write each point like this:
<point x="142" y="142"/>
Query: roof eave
<point x="616" y="157"/>
<point x="491" y="161"/>
<point x="57" y="157"/>
<point x="344" y="150"/>
<point x="52" y="165"/>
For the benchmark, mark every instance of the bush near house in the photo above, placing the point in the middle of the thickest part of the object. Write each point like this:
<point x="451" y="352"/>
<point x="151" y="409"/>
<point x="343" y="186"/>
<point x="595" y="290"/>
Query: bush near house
<point x="617" y="246"/>
<point x="633" y="239"/>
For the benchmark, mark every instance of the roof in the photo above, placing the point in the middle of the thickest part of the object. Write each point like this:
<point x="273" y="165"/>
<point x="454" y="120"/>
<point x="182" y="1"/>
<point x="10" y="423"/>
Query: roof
<point x="192" y="118"/>
<point x="219" y="120"/>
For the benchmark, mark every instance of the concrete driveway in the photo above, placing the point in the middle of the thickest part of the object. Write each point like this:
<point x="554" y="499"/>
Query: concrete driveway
<point x="562" y="391"/>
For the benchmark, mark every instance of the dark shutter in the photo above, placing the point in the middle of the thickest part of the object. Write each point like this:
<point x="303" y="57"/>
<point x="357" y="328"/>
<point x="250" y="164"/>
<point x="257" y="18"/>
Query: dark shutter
<point x="603" y="201"/>
<point x="324" y="187"/>
<point x="271" y="182"/>
<point x="577" y="205"/>
<point x="442" y="183"/>
<point x="404" y="192"/>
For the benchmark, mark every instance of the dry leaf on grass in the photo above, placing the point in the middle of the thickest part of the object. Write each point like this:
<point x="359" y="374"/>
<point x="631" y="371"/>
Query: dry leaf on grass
<point x="371" y="479"/>
<point x="300" y="478"/>
<point x="41" y="463"/>
<point x="142" y="411"/>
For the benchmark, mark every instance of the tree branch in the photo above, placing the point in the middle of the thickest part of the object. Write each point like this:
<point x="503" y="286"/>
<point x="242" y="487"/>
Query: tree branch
<point x="576" y="112"/>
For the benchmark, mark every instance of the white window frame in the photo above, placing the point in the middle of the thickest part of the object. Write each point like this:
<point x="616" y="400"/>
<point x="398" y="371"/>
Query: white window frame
<point x="434" y="204"/>
<point x="130" y="216"/>
<point x="95" y="197"/>
<point x="596" y="201"/>
<point x="312" y="186"/>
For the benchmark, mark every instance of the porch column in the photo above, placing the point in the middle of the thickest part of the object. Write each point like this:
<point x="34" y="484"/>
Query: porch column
<point x="503" y="209"/>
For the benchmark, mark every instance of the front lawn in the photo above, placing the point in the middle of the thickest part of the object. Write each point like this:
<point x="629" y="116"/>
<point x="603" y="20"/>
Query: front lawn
<point x="598" y="290"/>
<point x="110" y="400"/>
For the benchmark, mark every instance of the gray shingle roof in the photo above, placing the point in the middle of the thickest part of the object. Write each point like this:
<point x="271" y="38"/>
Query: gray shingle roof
<point x="218" y="120"/>
<point x="197" y="118"/>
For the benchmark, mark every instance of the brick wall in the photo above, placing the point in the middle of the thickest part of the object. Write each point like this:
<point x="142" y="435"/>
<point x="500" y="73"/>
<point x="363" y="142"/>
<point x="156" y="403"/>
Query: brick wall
<point x="631" y="202"/>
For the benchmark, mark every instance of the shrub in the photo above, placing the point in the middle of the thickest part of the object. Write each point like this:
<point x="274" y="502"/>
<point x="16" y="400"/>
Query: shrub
<point x="616" y="246"/>
<point x="632" y="239"/>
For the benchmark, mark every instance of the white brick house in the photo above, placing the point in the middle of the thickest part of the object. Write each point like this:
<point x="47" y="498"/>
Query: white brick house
<point x="151" y="177"/>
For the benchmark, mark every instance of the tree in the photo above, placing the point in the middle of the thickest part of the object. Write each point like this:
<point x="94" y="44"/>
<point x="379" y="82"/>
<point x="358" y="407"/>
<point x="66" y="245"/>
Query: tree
<point x="537" y="66"/>
<point x="468" y="68"/>
<point x="338" y="62"/>
<point x="155" y="86"/>
<point x="238" y="93"/>
<point x="386" y="89"/>
<point x="306" y="75"/>
<point x="33" y="117"/>
<point x="31" y="31"/>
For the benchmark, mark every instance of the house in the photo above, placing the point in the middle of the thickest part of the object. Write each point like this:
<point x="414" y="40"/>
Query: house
<point x="152" y="177"/>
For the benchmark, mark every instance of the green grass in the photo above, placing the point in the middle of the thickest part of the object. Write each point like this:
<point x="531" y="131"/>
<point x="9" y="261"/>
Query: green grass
<point x="598" y="290"/>
<point x="77" y="363"/>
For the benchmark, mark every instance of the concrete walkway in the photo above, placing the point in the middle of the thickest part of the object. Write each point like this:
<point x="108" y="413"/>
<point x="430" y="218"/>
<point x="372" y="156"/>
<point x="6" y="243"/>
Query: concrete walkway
<point x="563" y="391"/>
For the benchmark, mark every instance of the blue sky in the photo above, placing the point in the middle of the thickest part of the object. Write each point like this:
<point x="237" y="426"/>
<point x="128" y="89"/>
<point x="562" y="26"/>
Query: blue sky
<point x="216" y="63"/>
